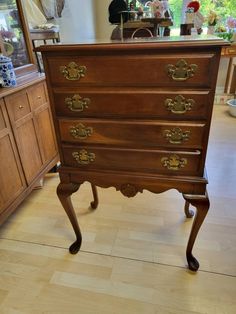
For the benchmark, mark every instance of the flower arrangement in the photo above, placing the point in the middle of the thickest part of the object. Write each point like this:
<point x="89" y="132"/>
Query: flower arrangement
<point x="231" y="22"/>
<point x="212" y="18"/>
<point x="157" y="7"/>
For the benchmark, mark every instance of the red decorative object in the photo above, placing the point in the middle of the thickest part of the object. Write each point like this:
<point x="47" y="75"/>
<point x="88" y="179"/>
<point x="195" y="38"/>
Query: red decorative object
<point x="195" y="5"/>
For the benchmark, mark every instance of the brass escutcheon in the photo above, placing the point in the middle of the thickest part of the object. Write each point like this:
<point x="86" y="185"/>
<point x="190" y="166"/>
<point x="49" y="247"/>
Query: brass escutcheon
<point x="73" y="71"/>
<point x="81" y="131"/>
<point x="181" y="71"/>
<point x="77" y="103"/>
<point x="176" y="135"/>
<point x="174" y="162"/>
<point x="179" y="105"/>
<point x="83" y="157"/>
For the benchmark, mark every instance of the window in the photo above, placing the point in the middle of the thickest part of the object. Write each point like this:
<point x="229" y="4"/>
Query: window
<point x="224" y="8"/>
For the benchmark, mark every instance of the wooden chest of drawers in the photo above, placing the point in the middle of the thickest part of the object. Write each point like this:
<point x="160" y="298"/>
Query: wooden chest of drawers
<point x="134" y="115"/>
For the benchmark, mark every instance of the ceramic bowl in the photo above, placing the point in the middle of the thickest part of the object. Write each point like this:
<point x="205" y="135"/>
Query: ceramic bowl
<point x="232" y="107"/>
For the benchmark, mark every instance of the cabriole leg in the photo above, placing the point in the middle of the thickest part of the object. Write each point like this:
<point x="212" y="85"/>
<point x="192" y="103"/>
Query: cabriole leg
<point x="64" y="192"/>
<point x="94" y="204"/>
<point x="202" y="204"/>
<point x="188" y="212"/>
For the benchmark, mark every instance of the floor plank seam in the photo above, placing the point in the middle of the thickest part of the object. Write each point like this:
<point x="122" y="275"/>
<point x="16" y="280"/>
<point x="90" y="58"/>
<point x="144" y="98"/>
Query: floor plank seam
<point x="123" y="257"/>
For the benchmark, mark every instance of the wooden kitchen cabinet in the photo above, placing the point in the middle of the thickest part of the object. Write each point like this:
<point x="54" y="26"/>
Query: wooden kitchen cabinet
<point x="12" y="180"/>
<point x="28" y="147"/>
<point x="32" y="128"/>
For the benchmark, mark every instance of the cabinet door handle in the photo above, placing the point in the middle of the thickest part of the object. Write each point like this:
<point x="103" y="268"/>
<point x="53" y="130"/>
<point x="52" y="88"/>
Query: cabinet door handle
<point x="21" y="107"/>
<point x="181" y="71"/>
<point x="73" y="71"/>
<point x="179" y="105"/>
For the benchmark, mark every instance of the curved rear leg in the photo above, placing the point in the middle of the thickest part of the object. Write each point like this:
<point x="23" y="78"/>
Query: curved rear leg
<point x="64" y="192"/>
<point x="188" y="212"/>
<point x="94" y="203"/>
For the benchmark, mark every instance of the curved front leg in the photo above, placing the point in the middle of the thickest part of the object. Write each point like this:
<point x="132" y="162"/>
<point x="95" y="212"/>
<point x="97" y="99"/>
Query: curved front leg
<point x="202" y="204"/>
<point x="64" y="192"/>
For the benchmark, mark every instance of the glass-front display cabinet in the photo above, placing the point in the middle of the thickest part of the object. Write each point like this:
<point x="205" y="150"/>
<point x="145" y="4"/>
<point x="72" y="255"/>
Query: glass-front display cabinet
<point x="14" y="37"/>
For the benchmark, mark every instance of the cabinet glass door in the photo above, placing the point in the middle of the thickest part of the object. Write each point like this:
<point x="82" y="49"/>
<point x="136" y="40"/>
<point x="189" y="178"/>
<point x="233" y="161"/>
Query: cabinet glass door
<point x="12" y="33"/>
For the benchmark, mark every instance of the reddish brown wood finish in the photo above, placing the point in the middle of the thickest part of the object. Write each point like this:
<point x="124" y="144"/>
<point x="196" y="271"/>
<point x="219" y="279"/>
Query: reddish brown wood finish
<point x="114" y="124"/>
<point x="131" y="103"/>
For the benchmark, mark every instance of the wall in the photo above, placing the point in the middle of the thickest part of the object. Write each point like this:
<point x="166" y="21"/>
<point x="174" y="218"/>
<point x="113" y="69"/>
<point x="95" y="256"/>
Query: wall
<point x="77" y="21"/>
<point x="103" y="27"/>
<point x="85" y="20"/>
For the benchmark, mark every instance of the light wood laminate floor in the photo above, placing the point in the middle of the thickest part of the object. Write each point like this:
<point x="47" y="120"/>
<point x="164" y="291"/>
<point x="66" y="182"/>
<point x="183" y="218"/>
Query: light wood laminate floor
<point x="132" y="259"/>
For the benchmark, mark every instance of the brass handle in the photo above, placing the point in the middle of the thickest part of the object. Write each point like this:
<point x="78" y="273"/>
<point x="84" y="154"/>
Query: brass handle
<point x="176" y="135"/>
<point x="181" y="71"/>
<point x="174" y="162"/>
<point x="77" y="103"/>
<point x="179" y="105"/>
<point x="73" y="71"/>
<point x="21" y="107"/>
<point x="39" y="97"/>
<point x="142" y="29"/>
<point x="80" y="131"/>
<point x="83" y="157"/>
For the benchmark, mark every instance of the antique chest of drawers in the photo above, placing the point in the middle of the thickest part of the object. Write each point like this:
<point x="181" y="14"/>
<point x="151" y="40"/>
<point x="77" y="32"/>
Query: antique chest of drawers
<point x="134" y="115"/>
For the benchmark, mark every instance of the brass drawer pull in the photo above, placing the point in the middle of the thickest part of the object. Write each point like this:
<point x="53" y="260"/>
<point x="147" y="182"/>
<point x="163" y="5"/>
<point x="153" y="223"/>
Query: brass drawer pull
<point x="83" y="157"/>
<point x="77" y="103"/>
<point x="73" y="71"/>
<point x="174" y="162"/>
<point x="181" y="71"/>
<point x="80" y="131"/>
<point x="21" y="107"/>
<point x="176" y="135"/>
<point x="179" y="105"/>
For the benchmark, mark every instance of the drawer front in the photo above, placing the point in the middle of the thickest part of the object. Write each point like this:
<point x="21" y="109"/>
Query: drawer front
<point x="132" y="70"/>
<point x="37" y="95"/>
<point x="146" y="161"/>
<point x="133" y="133"/>
<point x="18" y="105"/>
<point x="136" y="103"/>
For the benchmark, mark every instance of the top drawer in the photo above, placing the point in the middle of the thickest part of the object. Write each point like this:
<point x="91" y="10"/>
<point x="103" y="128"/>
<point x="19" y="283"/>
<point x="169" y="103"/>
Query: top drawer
<point x="37" y="95"/>
<point x="18" y="105"/>
<point x="133" y="70"/>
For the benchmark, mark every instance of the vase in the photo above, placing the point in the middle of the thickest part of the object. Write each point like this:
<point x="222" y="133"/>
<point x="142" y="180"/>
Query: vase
<point x="210" y="29"/>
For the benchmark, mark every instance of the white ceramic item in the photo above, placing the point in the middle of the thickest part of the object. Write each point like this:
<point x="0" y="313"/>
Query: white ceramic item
<point x="232" y="107"/>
